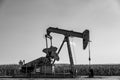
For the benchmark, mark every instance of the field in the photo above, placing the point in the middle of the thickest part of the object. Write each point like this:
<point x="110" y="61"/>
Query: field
<point x="79" y="78"/>
<point x="101" y="72"/>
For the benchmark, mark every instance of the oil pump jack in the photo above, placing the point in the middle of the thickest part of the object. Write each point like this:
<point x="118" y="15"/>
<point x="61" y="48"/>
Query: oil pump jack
<point x="52" y="52"/>
<point x="67" y="34"/>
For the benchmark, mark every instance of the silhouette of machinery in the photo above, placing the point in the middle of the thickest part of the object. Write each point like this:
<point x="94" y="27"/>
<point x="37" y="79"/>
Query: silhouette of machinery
<point x="52" y="52"/>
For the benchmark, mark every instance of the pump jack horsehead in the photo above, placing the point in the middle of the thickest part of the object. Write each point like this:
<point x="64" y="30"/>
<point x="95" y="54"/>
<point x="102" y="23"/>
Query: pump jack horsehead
<point x="52" y="52"/>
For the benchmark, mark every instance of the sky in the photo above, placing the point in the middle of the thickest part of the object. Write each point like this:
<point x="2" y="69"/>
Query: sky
<point x="23" y="24"/>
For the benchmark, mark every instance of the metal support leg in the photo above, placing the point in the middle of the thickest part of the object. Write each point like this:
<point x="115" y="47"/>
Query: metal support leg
<point x="71" y="58"/>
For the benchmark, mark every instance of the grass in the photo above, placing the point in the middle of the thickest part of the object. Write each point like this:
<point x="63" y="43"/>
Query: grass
<point x="83" y="70"/>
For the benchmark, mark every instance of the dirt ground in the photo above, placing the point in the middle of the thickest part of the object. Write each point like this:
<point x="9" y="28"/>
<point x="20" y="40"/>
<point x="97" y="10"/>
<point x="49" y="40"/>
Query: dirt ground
<point x="78" y="78"/>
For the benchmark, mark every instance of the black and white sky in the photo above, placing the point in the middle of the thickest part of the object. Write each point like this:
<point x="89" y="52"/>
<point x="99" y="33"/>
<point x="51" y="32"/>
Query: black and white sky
<point x="23" y="24"/>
